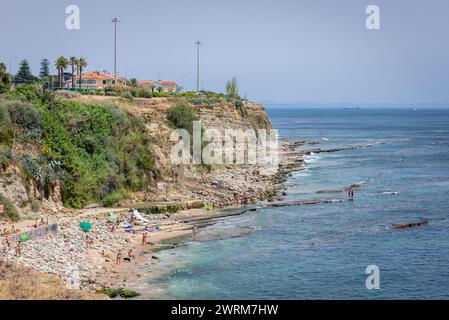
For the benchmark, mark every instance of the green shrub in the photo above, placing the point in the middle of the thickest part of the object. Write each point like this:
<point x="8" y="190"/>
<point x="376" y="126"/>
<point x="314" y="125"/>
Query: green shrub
<point x="28" y="92"/>
<point x="143" y="93"/>
<point x="112" y="293"/>
<point x="67" y="94"/>
<point x="10" y="210"/>
<point x="126" y="95"/>
<point x="239" y="104"/>
<point x="5" y="157"/>
<point x="181" y="115"/>
<point x="161" y="94"/>
<point x="113" y="198"/>
<point x="6" y="129"/>
<point x="35" y="205"/>
<point x="171" y="208"/>
<point x="24" y="114"/>
<point x="101" y="149"/>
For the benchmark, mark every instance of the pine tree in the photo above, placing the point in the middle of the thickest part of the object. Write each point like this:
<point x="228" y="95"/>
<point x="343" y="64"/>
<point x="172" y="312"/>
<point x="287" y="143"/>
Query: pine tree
<point x="24" y="74"/>
<point x="45" y="68"/>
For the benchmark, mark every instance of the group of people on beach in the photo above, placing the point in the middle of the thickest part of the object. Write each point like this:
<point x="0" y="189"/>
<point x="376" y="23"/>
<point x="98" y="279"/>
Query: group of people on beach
<point x="7" y="242"/>
<point x="241" y="199"/>
<point x="6" y="235"/>
<point x="128" y="258"/>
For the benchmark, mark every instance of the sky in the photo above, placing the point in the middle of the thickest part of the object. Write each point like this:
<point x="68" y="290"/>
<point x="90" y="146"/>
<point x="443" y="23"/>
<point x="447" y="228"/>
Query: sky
<point x="279" y="50"/>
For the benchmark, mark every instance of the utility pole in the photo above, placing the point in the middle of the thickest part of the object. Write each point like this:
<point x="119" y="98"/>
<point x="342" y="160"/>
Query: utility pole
<point x="115" y="20"/>
<point x="198" y="43"/>
<point x="10" y="60"/>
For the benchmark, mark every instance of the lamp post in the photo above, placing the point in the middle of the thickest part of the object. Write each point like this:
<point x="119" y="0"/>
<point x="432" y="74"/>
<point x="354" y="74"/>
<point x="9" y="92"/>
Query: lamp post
<point x="115" y="21"/>
<point x="183" y="82"/>
<point x="198" y="43"/>
<point x="10" y="60"/>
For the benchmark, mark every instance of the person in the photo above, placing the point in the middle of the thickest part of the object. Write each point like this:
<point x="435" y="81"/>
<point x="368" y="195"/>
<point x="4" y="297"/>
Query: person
<point x="104" y="254"/>
<point x="6" y="241"/>
<point x="18" y="249"/>
<point x="131" y="254"/>
<point x="194" y="229"/>
<point x="113" y="228"/>
<point x="351" y="194"/>
<point x="119" y="257"/>
<point x="89" y="242"/>
<point x="144" y="238"/>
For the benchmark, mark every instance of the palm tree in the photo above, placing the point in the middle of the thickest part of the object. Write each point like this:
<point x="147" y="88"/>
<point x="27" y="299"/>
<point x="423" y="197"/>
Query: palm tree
<point x="73" y="63"/>
<point x="61" y="64"/>
<point x="81" y="64"/>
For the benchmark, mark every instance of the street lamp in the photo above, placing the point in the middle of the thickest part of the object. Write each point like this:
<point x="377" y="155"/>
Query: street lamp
<point x="198" y="43"/>
<point x="10" y="60"/>
<point x="183" y="82"/>
<point x="115" y="20"/>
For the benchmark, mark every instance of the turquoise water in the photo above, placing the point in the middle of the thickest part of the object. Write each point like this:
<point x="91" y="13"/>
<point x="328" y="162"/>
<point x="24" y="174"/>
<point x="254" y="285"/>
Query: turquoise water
<point x="322" y="251"/>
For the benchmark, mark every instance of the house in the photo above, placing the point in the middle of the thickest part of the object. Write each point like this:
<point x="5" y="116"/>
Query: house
<point x="159" y="85"/>
<point x="98" y="80"/>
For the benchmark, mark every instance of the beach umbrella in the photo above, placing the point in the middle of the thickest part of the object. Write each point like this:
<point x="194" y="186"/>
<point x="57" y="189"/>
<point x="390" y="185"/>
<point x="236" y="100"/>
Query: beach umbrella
<point x="24" y="237"/>
<point x="112" y="218"/>
<point x="85" y="225"/>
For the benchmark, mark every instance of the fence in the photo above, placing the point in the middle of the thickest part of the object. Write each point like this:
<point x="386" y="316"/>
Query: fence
<point x="35" y="233"/>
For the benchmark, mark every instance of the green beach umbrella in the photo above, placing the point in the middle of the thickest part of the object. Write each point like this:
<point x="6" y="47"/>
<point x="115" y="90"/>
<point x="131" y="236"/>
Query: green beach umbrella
<point x="112" y="218"/>
<point x="85" y="226"/>
<point x="24" y="237"/>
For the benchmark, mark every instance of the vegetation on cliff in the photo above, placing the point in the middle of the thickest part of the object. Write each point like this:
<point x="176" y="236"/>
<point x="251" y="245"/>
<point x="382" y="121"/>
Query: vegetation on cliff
<point x="95" y="152"/>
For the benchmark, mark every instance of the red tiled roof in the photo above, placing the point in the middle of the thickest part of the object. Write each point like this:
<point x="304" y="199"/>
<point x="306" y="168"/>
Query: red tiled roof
<point x="98" y="75"/>
<point x="161" y="82"/>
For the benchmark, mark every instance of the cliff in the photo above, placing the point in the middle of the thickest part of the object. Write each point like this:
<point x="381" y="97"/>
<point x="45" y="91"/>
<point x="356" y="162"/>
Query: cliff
<point x="114" y="151"/>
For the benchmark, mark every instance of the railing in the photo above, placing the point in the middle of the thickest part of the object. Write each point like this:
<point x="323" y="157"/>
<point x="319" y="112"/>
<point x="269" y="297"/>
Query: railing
<point x="35" y="233"/>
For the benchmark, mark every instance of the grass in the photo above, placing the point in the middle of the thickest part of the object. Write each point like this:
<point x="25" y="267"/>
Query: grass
<point x="11" y="212"/>
<point x="20" y="283"/>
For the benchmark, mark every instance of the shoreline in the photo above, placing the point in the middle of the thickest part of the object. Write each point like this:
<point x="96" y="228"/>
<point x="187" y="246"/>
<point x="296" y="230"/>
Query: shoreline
<point x="82" y="266"/>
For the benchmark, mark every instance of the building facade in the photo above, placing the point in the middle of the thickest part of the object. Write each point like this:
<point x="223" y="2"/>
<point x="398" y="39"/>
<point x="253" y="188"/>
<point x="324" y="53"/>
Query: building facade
<point x="98" y="80"/>
<point x="159" y="85"/>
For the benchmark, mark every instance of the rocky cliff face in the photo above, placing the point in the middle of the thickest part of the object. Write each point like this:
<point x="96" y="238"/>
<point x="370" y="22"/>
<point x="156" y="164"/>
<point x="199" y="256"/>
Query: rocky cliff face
<point x="180" y="182"/>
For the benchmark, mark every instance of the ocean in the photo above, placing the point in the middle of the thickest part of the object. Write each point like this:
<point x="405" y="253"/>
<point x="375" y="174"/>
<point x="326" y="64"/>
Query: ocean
<point x="322" y="251"/>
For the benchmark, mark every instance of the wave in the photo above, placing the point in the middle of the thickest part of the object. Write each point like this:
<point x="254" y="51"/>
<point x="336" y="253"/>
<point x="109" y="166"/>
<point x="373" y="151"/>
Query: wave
<point x="311" y="158"/>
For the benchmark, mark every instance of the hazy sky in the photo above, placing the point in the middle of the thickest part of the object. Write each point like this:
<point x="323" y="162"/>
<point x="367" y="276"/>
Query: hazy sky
<point x="303" y="50"/>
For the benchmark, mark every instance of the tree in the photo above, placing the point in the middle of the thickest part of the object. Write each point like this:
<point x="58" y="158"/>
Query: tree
<point x="82" y="63"/>
<point x="73" y="63"/>
<point x="5" y="79"/>
<point x="133" y="82"/>
<point x="45" y="68"/>
<point x="232" y="90"/>
<point x="24" y="74"/>
<point x="61" y="64"/>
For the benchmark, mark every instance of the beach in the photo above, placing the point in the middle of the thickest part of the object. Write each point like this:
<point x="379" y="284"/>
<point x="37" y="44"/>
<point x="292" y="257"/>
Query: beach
<point x="86" y="261"/>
